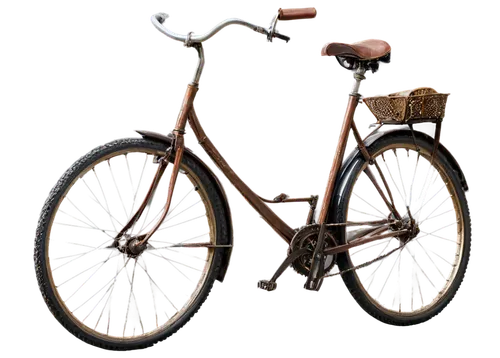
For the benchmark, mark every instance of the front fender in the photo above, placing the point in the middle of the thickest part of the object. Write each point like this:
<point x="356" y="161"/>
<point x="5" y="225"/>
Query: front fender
<point x="167" y="140"/>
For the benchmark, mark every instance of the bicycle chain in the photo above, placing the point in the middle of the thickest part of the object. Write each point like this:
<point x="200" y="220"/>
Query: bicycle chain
<point x="388" y="253"/>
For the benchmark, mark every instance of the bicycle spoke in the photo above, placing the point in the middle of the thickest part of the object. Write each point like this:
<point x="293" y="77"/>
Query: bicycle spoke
<point x="421" y="211"/>
<point x="436" y="215"/>
<point x="174" y="264"/>
<point x="84" y="227"/>
<point x="117" y="190"/>
<point x="414" y="176"/>
<point x="170" y="226"/>
<point x="412" y="284"/>
<point x="371" y="278"/>
<point x="124" y="264"/>
<point x="358" y="212"/>
<point x="97" y="303"/>
<point x="179" y="203"/>
<point x="437" y="256"/>
<point x="84" y="283"/>
<point x="155" y="289"/>
<point x="135" y="197"/>
<point x="76" y="259"/>
<point x="369" y="246"/>
<point x="428" y="186"/>
<point x="105" y="194"/>
<point x="187" y="209"/>
<point x="107" y="306"/>
<point x="397" y="296"/>
<point x="397" y="186"/>
<point x="77" y="275"/>
<point x="389" y="274"/>
<point x="414" y="259"/>
<point x="126" y="315"/>
<point x="444" y="227"/>
<point x="149" y="216"/>
<point x="147" y="219"/>
<point x="402" y="182"/>
<point x="130" y="181"/>
<point x="371" y="205"/>
<point x="113" y="220"/>
<point x="105" y="199"/>
<point x="84" y="216"/>
<point x="401" y="177"/>
<point x="84" y="251"/>
<point x="435" y="236"/>
<point x="434" y="262"/>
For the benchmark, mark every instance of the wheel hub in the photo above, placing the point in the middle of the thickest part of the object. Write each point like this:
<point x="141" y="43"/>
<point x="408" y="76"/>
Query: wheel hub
<point x="130" y="245"/>
<point x="409" y="224"/>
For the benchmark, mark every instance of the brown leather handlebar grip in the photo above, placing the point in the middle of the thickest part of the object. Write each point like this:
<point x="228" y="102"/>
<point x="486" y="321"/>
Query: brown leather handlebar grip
<point x="297" y="14"/>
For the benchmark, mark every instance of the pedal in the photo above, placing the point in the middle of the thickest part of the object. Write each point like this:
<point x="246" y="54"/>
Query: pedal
<point x="267" y="285"/>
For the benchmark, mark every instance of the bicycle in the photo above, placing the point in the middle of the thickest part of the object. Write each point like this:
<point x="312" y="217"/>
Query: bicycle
<point x="124" y="258"/>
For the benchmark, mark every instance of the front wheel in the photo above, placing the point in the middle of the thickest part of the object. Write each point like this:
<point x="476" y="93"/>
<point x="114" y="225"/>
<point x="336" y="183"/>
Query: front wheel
<point x="416" y="282"/>
<point x="99" y="291"/>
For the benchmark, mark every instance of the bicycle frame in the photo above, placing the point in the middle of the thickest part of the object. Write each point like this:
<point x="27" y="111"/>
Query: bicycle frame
<point x="187" y="114"/>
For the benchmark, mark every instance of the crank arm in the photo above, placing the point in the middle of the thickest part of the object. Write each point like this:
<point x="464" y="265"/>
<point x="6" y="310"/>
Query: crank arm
<point x="288" y="261"/>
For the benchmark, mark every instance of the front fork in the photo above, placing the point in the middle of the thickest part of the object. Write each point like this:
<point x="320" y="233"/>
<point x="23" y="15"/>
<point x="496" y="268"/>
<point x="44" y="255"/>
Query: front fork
<point x="177" y="149"/>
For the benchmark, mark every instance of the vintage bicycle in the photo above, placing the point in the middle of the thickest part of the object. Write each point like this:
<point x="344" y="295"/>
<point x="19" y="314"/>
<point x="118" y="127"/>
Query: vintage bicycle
<point x="134" y="234"/>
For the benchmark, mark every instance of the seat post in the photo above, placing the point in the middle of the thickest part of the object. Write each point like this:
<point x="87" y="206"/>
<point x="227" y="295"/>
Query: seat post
<point x="359" y="75"/>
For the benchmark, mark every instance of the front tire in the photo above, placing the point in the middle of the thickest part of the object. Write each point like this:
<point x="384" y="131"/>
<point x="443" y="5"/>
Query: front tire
<point x="102" y="295"/>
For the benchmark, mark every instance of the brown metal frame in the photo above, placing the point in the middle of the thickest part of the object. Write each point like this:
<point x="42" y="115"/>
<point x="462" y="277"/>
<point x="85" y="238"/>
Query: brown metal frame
<point x="188" y="114"/>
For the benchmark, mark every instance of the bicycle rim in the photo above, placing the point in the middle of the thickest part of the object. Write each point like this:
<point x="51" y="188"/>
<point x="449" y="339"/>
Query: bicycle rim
<point x="413" y="280"/>
<point x="106" y="292"/>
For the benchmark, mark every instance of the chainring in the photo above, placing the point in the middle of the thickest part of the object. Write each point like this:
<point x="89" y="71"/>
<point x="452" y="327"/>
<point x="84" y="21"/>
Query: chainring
<point x="307" y="237"/>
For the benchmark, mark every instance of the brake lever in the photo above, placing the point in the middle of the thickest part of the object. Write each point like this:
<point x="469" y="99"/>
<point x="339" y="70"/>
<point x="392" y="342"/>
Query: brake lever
<point x="281" y="37"/>
<point x="272" y="30"/>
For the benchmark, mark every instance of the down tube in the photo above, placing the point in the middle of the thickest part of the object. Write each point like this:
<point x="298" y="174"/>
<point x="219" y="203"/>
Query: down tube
<point x="285" y="231"/>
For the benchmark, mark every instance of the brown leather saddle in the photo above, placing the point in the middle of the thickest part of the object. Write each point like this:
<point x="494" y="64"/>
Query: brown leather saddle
<point x="367" y="53"/>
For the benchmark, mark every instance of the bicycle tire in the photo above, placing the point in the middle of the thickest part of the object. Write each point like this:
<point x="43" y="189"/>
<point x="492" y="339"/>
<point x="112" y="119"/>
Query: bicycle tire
<point x="214" y="204"/>
<point x="357" y="282"/>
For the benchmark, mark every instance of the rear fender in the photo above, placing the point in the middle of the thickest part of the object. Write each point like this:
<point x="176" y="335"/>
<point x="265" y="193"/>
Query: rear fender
<point x="355" y="154"/>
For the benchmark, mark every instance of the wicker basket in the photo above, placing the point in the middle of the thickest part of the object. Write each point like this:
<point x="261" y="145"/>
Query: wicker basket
<point x="418" y="104"/>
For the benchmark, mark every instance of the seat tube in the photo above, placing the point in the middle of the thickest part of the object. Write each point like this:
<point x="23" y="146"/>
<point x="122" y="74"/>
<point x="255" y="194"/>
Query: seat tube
<point x="354" y="97"/>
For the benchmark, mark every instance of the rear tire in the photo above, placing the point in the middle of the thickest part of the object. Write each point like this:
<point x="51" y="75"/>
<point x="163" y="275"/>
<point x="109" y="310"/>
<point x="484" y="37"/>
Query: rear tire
<point x="445" y="268"/>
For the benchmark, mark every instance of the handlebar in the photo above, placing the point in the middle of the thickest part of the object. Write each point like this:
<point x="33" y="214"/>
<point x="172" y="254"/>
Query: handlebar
<point x="283" y="15"/>
<point x="157" y="20"/>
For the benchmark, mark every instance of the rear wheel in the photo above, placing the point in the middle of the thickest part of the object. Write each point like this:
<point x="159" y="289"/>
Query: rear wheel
<point x="98" y="290"/>
<point x="415" y="283"/>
